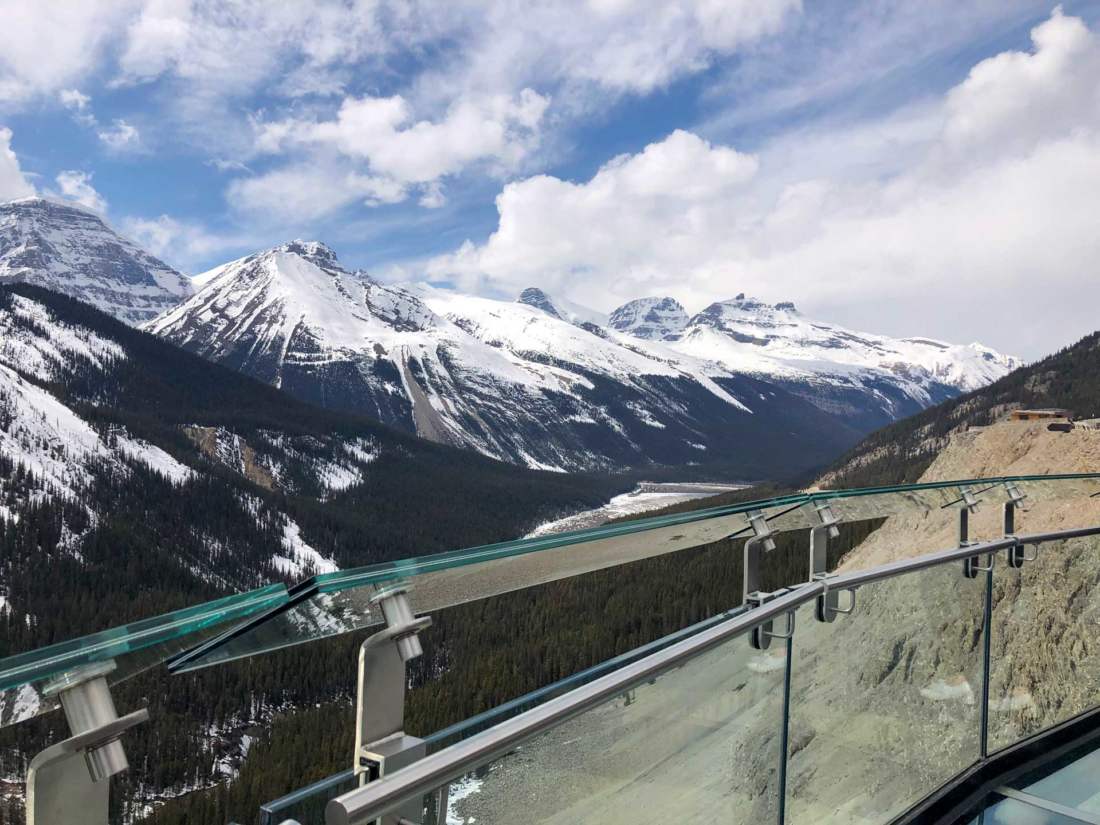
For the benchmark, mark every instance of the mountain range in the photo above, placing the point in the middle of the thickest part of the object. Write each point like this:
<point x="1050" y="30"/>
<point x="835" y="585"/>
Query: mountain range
<point x="742" y="387"/>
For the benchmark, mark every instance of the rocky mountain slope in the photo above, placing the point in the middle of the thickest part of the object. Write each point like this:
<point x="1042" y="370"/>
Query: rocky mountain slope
<point x="531" y="382"/>
<point x="744" y="388"/>
<point x="71" y="250"/>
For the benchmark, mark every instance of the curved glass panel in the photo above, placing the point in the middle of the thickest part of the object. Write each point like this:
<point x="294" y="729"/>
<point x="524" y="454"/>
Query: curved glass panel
<point x="1045" y="660"/>
<point x="1015" y="812"/>
<point x="682" y="747"/>
<point x="885" y="701"/>
<point x="133" y="648"/>
<point x="307" y="805"/>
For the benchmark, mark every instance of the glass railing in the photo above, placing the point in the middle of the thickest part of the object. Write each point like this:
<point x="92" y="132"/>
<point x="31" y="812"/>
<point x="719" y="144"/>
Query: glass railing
<point x="340" y="602"/>
<point x="873" y="707"/>
<point x="926" y="672"/>
<point x="132" y="648"/>
<point x="307" y="805"/>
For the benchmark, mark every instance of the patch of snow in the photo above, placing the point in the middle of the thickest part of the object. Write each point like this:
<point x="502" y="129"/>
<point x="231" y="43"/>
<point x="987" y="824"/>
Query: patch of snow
<point x="300" y="556"/>
<point x="458" y="790"/>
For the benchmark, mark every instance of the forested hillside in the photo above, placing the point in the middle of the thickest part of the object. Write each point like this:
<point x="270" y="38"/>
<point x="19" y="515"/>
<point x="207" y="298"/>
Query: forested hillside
<point x="248" y="486"/>
<point x="902" y="451"/>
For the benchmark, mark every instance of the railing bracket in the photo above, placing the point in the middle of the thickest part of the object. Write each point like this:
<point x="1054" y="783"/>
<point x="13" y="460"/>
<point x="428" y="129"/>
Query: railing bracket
<point x="761" y="636"/>
<point x="68" y="781"/>
<point x="381" y="744"/>
<point x="827" y="606"/>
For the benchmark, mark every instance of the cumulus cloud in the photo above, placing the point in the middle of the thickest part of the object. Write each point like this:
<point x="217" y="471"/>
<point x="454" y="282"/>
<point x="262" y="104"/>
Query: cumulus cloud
<point x="44" y="47"/>
<point x="13" y="183"/>
<point x="378" y="151"/>
<point x="306" y="191"/>
<point x="76" y="186"/>
<point x="994" y="204"/>
<point x="74" y="100"/>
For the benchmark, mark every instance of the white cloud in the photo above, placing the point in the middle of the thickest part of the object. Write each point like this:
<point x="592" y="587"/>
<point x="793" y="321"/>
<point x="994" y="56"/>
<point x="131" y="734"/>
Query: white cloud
<point x="983" y="226"/>
<point x="44" y="47"/>
<point x="184" y="243"/>
<point x="1010" y="101"/>
<point x="121" y="136"/>
<point x="77" y="186"/>
<point x="615" y="46"/>
<point x="13" y="183"/>
<point x="74" y="100"/>
<point x="303" y="192"/>
<point x="373" y="149"/>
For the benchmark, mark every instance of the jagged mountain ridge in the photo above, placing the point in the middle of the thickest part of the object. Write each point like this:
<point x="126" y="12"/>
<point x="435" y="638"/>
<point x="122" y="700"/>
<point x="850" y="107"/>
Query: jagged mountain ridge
<point x="70" y="249"/>
<point x="655" y="319"/>
<point x="869" y="379"/>
<point x="509" y="379"/>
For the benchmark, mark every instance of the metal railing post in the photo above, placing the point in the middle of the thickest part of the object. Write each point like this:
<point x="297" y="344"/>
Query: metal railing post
<point x="69" y="782"/>
<point x="381" y="744"/>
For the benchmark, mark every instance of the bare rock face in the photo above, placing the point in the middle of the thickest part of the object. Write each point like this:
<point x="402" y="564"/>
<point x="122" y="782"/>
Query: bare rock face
<point x="70" y="249"/>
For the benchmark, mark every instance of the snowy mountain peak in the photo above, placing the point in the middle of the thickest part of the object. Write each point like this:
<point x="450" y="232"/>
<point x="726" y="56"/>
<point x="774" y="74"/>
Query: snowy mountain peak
<point x="70" y="249"/>
<point x="311" y="250"/>
<point x="742" y="309"/>
<point x="567" y="311"/>
<point x="535" y="297"/>
<point x="655" y="319"/>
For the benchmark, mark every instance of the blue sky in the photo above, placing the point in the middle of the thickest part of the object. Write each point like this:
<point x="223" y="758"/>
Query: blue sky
<point x="863" y="159"/>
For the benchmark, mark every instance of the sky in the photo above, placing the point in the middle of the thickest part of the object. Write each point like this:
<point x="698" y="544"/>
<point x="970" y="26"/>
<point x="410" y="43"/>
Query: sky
<point x="924" y="168"/>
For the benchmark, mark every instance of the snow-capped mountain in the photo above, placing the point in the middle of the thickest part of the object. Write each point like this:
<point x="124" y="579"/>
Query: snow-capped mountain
<point x="540" y="381"/>
<point x="655" y="319"/>
<point x="871" y="379"/>
<point x="558" y="308"/>
<point x="531" y="382"/>
<point x="70" y="249"/>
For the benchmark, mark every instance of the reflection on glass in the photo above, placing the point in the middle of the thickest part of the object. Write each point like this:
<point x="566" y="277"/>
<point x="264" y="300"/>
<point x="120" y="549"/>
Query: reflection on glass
<point x="1044" y="656"/>
<point x="699" y="743"/>
<point x="133" y="648"/>
<point x="1015" y="812"/>
<point x="307" y="806"/>
<point x="885" y="701"/>
<point x="1076" y="785"/>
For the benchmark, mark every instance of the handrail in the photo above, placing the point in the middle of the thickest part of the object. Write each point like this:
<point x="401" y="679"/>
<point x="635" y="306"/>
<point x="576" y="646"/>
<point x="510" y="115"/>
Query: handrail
<point x="380" y="797"/>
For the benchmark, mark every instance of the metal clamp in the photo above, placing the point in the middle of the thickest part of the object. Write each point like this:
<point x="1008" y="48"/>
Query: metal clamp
<point x="971" y="567"/>
<point x="970" y="501"/>
<point x="828" y="519"/>
<point x="1016" y="496"/>
<point x="827" y="605"/>
<point x="761" y="529"/>
<point x="761" y="635"/>
<point x="1017" y="554"/>
<point x="67" y="782"/>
